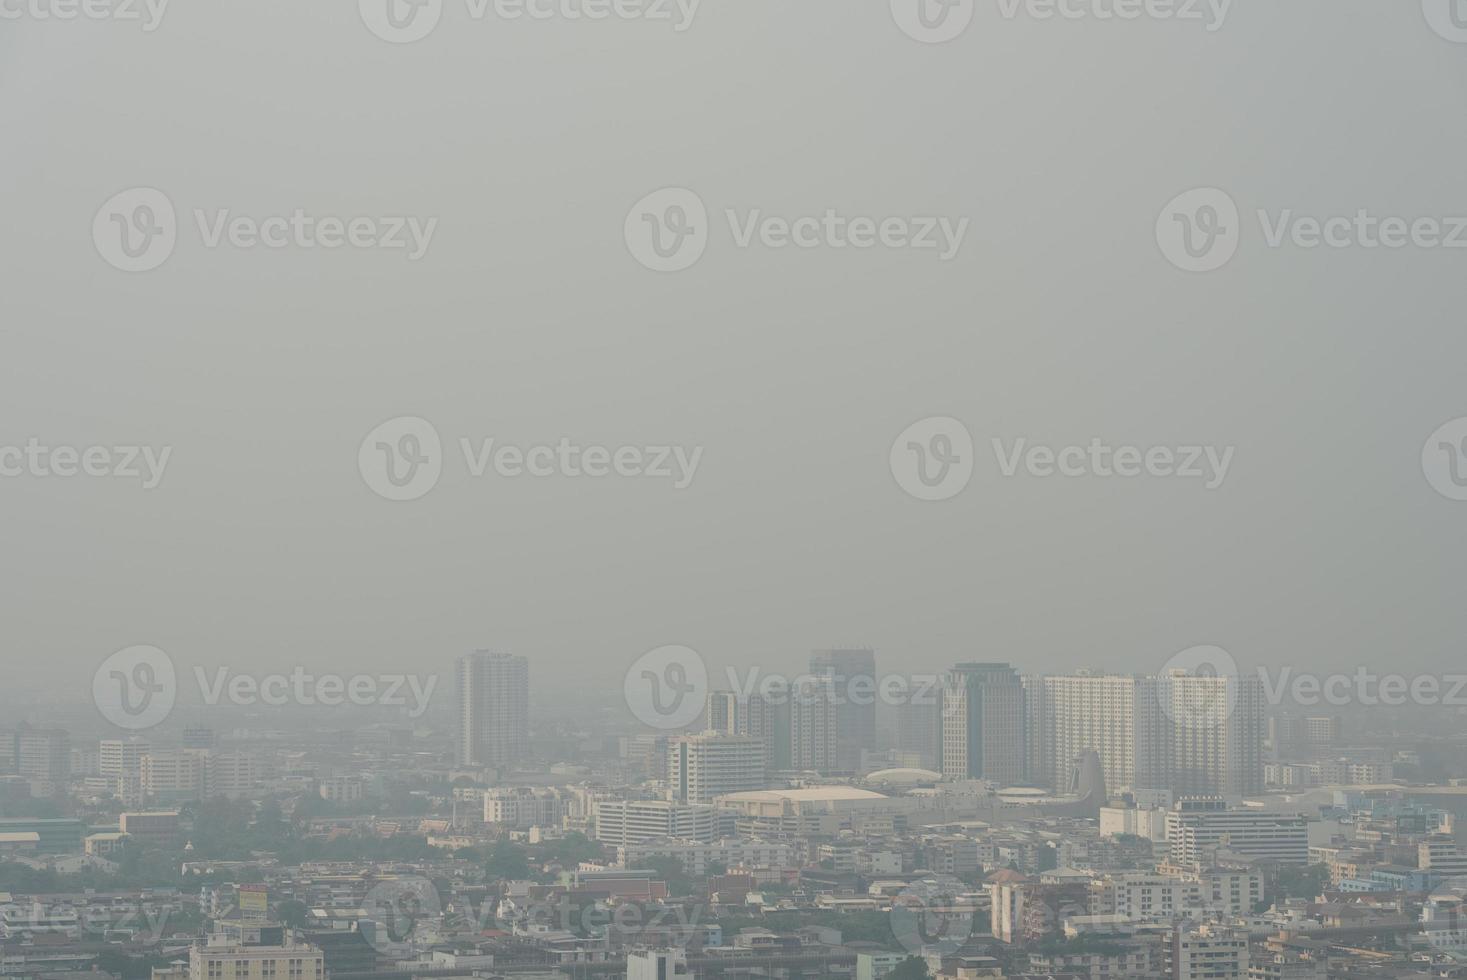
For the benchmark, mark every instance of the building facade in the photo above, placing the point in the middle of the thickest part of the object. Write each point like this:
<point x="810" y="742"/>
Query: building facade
<point x="493" y="709"/>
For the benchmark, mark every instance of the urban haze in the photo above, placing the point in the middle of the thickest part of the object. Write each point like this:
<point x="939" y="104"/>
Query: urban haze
<point x="715" y="488"/>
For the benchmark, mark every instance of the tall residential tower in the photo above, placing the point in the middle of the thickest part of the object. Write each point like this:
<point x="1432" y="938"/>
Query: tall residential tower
<point x="493" y="709"/>
<point x="983" y="723"/>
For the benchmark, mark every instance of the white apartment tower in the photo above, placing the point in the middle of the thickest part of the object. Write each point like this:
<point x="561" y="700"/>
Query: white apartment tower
<point x="1119" y="716"/>
<point x="1217" y="724"/>
<point x="493" y="709"/>
<point x="813" y="725"/>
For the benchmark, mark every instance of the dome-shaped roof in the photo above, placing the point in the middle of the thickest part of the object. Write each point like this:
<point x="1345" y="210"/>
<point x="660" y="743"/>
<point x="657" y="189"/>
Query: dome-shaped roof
<point x="904" y="777"/>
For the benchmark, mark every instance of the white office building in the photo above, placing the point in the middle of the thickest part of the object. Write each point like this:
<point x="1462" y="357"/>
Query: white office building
<point x="623" y="822"/>
<point x="1198" y="827"/>
<point x="701" y="767"/>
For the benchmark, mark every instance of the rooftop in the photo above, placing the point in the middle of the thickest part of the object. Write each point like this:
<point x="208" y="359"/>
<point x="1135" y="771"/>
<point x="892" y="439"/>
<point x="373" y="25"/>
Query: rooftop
<point x="808" y="794"/>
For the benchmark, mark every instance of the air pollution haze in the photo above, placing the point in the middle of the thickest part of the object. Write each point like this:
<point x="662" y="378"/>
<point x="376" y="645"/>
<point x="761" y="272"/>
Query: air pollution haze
<point x="709" y="489"/>
<point x="678" y="422"/>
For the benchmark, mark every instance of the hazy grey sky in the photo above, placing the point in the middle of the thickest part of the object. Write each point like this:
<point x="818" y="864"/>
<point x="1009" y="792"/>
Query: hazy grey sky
<point x="528" y="320"/>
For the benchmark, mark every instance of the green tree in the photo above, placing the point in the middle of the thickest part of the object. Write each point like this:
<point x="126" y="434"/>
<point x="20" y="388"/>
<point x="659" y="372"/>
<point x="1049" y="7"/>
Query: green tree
<point x="572" y="849"/>
<point x="292" y="913"/>
<point x="911" y="968"/>
<point x="670" y="870"/>
<point x="1295" y="881"/>
<point x="507" y="860"/>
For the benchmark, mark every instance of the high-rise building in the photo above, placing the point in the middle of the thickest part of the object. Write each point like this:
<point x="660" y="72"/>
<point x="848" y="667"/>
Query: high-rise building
<point x="523" y="807"/>
<point x="1440" y="854"/>
<point x="233" y="774"/>
<point x="919" y="729"/>
<point x="623" y="822"/>
<point x="1207" y="953"/>
<point x="852" y="672"/>
<point x="1217" y="724"/>
<point x="722" y="712"/>
<point x="199" y="738"/>
<point x="174" y="775"/>
<point x="219" y="960"/>
<point x="121" y="756"/>
<point x="983" y="723"/>
<point x="159" y="828"/>
<point x="768" y="716"/>
<point x="812" y="724"/>
<point x="493" y="709"/>
<point x="1198" y="827"/>
<point x="1118" y="716"/>
<point x="701" y="767"/>
<point x="43" y="755"/>
<point x="762" y="714"/>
